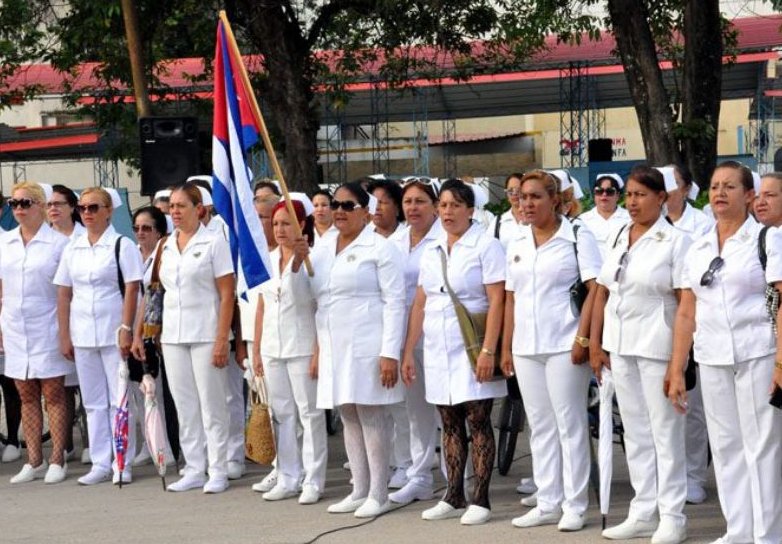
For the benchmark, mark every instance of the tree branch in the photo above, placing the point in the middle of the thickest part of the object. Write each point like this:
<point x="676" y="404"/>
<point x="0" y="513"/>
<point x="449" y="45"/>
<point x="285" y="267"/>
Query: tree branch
<point x="328" y="12"/>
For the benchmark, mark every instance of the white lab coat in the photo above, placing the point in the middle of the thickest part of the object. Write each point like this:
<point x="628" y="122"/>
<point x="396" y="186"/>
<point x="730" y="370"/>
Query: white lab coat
<point x="331" y="232"/>
<point x="191" y="305"/>
<point x="360" y="317"/>
<point x="603" y="228"/>
<point x="413" y="255"/>
<point x="288" y="312"/>
<point x="640" y="310"/>
<point x="29" y="314"/>
<point x="91" y="271"/>
<point x="476" y="260"/>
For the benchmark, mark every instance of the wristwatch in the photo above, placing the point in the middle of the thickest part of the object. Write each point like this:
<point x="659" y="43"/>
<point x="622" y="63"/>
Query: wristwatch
<point x="582" y="341"/>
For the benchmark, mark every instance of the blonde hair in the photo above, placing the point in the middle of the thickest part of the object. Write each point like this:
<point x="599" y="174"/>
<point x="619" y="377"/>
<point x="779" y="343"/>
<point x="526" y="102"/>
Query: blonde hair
<point x="570" y="203"/>
<point x="35" y="190"/>
<point x="550" y="184"/>
<point x="101" y="193"/>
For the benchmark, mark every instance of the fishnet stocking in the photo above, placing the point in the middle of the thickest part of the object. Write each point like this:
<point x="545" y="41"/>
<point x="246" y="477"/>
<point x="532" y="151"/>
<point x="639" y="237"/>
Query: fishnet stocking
<point x="70" y="416"/>
<point x="54" y="393"/>
<point x="32" y="416"/>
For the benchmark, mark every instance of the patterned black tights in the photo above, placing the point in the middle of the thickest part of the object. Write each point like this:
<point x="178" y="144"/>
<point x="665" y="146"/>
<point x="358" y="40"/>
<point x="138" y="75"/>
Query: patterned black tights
<point x="476" y="414"/>
<point x="53" y="390"/>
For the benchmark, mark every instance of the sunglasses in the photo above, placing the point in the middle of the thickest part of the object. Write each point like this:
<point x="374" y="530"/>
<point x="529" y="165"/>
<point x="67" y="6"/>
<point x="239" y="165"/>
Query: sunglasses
<point x="24" y="203"/>
<point x="91" y="208"/>
<point x="347" y="205"/>
<point x="708" y="277"/>
<point x="608" y="191"/>
<point x="142" y="228"/>
<point x="56" y="204"/>
<point x="622" y="264"/>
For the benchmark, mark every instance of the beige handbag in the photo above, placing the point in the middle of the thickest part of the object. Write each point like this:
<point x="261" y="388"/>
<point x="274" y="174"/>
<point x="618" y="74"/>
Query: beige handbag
<point x="259" y="432"/>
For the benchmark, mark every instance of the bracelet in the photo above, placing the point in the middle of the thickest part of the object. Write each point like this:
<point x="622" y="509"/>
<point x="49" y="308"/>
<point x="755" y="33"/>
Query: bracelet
<point x="487" y="351"/>
<point x="778" y="365"/>
<point x="124" y="327"/>
<point x="582" y="341"/>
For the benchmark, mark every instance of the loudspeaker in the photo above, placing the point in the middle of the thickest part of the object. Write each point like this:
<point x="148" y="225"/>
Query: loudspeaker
<point x="778" y="160"/>
<point x="600" y="150"/>
<point x="169" y="151"/>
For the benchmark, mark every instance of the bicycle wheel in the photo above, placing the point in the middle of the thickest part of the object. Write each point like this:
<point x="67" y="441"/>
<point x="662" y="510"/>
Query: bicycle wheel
<point x="511" y="421"/>
<point x="333" y="421"/>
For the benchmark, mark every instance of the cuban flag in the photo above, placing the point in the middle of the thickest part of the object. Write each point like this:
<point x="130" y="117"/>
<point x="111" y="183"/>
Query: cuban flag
<point x="234" y="132"/>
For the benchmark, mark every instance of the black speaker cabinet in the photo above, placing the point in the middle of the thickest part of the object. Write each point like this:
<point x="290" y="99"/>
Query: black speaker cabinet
<point x="169" y="151"/>
<point x="600" y="150"/>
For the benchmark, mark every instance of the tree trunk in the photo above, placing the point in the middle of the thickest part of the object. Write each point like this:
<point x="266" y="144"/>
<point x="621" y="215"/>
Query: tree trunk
<point x="136" y="56"/>
<point x="291" y="99"/>
<point x="639" y="56"/>
<point x="702" y="82"/>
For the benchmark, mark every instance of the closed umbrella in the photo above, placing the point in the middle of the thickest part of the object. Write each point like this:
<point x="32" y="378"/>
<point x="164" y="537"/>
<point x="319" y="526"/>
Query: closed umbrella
<point x="605" y="446"/>
<point x="155" y="433"/>
<point x="121" y="419"/>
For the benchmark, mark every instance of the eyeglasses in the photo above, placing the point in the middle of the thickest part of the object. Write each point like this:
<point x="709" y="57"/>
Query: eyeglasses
<point x="608" y="191"/>
<point x="512" y="192"/>
<point x="24" y="203"/>
<point x="56" y="204"/>
<point x="708" y="277"/>
<point x="347" y="205"/>
<point x="622" y="264"/>
<point x="428" y="182"/>
<point x="91" y="208"/>
<point x="142" y="228"/>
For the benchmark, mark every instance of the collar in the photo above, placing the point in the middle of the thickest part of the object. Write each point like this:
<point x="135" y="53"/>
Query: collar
<point x="468" y="239"/>
<point x="44" y="234"/>
<point x="201" y="236"/>
<point x="566" y="230"/>
<point x="659" y="232"/>
<point x="747" y="234"/>
<point x="106" y="239"/>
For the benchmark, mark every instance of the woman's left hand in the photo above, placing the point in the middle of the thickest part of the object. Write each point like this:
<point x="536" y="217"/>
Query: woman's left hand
<point x="484" y="369"/>
<point x="125" y="343"/>
<point x="220" y="353"/>
<point x="241" y="354"/>
<point x="579" y="355"/>
<point x="389" y="372"/>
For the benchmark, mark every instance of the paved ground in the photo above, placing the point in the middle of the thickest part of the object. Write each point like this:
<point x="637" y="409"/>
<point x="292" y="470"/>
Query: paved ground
<point x="143" y="513"/>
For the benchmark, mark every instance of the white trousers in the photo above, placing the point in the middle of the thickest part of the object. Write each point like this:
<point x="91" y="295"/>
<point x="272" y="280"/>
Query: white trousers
<point x="400" y="452"/>
<point x="555" y="398"/>
<point x="237" y="410"/>
<point x="654" y="439"/>
<point x="293" y="395"/>
<point x="745" y="432"/>
<point x="98" y="375"/>
<point x="697" y="438"/>
<point x="423" y="427"/>
<point x="367" y="435"/>
<point x="198" y="389"/>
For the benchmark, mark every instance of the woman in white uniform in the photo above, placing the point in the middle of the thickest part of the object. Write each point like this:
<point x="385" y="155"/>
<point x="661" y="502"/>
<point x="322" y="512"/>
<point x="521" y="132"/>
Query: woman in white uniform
<point x="283" y="352"/>
<point x="29" y="255"/>
<point x="545" y="340"/>
<point x="723" y="304"/>
<point x="323" y="222"/>
<point x="95" y="320"/>
<point x="359" y="288"/>
<point x="463" y="396"/>
<point x="64" y="218"/>
<point x="639" y="286"/>
<point x="607" y="216"/>
<point x="196" y="271"/>
<point x="422" y="229"/>
<point x="768" y="203"/>
<point x="506" y="226"/>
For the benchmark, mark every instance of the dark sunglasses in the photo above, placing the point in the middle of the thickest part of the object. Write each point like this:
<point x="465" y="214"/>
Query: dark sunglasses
<point x="622" y="263"/>
<point x="708" y="277"/>
<point x="91" y="208"/>
<point x="608" y="191"/>
<point x="142" y="228"/>
<point x="24" y="203"/>
<point x="347" y="205"/>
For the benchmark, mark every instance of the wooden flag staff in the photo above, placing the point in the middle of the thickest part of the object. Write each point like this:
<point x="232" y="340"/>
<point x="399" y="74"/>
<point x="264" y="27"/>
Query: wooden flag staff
<point x="267" y="143"/>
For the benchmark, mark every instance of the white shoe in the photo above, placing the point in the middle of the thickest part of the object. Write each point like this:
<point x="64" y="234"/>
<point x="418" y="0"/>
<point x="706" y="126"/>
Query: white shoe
<point x="695" y="493"/>
<point x="398" y="479"/>
<point x="11" y="453"/>
<point x="526" y="486"/>
<point x="475" y="515"/>
<point x="412" y="491"/>
<point x="570" y="522"/>
<point x="721" y="540"/>
<point x="214" y="485"/>
<point x="630" y="528"/>
<point x="95" y="476"/>
<point x="536" y="517"/>
<point x="56" y="473"/>
<point x="127" y="477"/>
<point x="235" y="470"/>
<point x="346" y="505"/>
<point x="372" y="509"/>
<point x="670" y="531"/>
<point x="143" y="458"/>
<point x="441" y="510"/>
<point x="188" y="482"/>
<point x="531" y="501"/>
<point x="309" y="494"/>
<point x="69" y="455"/>
<point x="346" y="465"/>
<point x="85" y="457"/>
<point x="29" y="473"/>
<point x="267" y="484"/>
<point x="279" y="492"/>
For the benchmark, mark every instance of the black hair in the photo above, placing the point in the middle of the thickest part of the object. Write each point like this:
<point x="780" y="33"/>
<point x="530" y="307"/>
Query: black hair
<point x="683" y="173"/>
<point x="268" y="185"/>
<point x="614" y="183"/>
<point x="70" y="198"/>
<point x="746" y="174"/>
<point x="517" y="175"/>
<point x="358" y="192"/>
<point x="649" y="177"/>
<point x="460" y="191"/>
<point x="393" y="190"/>
<point x="323" y="192"/>
<point x="158" y="217"/>
<point x="203" y="184"/>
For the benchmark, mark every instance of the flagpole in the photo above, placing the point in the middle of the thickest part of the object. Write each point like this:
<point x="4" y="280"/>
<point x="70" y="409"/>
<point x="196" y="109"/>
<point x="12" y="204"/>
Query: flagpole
<point x="267" y="143"/>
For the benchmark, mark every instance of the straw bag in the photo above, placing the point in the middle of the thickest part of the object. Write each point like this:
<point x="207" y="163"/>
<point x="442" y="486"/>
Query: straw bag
<point x="259" y="433"/>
